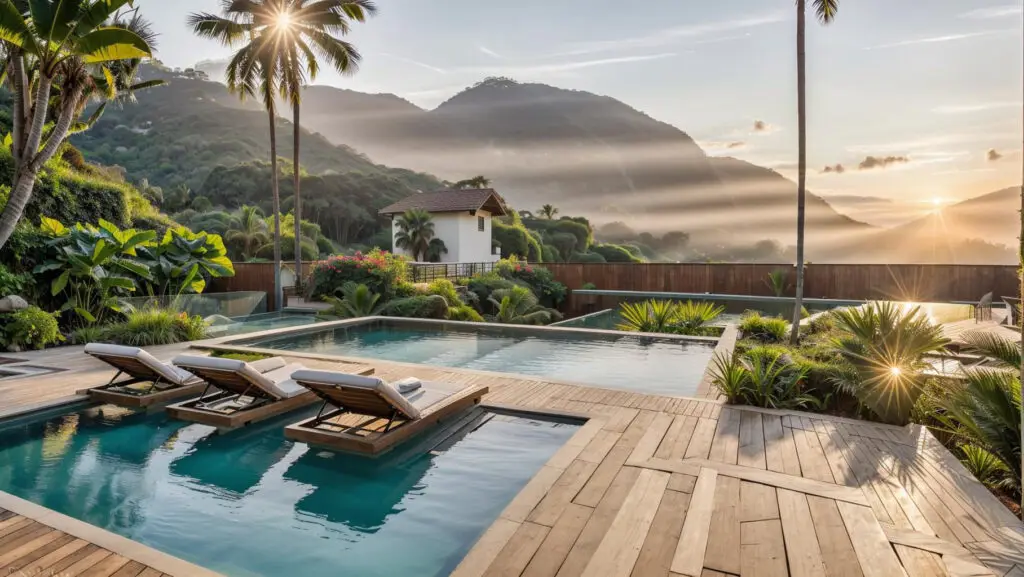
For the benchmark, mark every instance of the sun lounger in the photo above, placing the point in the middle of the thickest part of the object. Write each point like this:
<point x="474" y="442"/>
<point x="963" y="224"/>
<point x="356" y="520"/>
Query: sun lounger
<point x="150" y="381"/>
<point x="369" y="415"/>
<point x="244" y="395"/>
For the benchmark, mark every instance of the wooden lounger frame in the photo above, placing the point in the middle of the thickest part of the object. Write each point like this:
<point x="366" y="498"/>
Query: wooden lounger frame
<point x="114" y="391"/>
<point x="345" y="429"/>
<point x="258" y="407"/>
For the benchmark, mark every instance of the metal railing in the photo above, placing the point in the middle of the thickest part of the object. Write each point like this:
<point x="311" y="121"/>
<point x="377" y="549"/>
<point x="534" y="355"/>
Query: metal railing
<point x="429" y="272"/>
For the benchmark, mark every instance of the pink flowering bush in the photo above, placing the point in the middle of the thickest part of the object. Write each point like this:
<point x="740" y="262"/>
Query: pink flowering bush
<point x="381" y="271"/>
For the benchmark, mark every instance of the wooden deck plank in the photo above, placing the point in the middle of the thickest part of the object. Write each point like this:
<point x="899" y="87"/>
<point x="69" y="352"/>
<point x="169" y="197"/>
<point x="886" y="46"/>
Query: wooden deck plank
<point x="725" y="445"/>
<point x="562" y="493"/>
<point x="659" y="548"/>
<point x="703" y="436"/>
<point x="918" y="563"/>
<point x="649" y="443"/>
<point x="47" y="561"/>
<point x="594" y="531"/>
<point x="517" y="553"/>
<point x="802" y="548"/>
<point x="780" y="452"/>
<point x="682" y="482"/>
<point x="724" y="533"/>
<point x="762" y="549"/>
<point x="869" y="541"/>
<point x="689" y="555"/>
<point x="757" y="502"/>
<point x="107" y="567"/>
<point x="813" y="463"/>
<point x="621" y="546"/>
<point x="130" y="569"/>
<point x="559" y="541"/>
<point x="836" y="549"/>
<point x="752" y="444"/>
<point x="487" y="548"/>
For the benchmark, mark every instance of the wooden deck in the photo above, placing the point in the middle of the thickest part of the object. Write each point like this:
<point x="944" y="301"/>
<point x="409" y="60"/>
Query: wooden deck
<point x="667" y="487"/>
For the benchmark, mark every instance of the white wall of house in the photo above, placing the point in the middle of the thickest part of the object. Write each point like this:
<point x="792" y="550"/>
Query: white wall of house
<point x="461" y="233"/>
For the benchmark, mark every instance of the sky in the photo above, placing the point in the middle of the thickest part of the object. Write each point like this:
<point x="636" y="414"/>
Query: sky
<point x="909" y="109"/>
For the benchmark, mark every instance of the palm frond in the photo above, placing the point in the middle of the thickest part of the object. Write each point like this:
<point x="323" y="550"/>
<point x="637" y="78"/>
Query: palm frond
<point x="1006" y="352"/>
<point x="826" y="10"/>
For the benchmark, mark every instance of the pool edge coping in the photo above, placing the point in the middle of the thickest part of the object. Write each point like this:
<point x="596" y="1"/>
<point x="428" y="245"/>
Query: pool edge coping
<point x="117" y="544"/>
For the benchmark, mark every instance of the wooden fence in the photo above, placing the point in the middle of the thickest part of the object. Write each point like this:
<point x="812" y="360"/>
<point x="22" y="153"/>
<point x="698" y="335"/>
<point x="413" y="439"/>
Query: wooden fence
<point x="920" y="283"/>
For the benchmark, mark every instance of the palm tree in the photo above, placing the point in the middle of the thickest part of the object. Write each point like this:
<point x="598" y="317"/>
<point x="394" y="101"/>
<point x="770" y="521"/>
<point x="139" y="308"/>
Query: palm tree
<point x="826" y="11"/>
<point x="475" y="182"/>
<point x="416" y="234"/>
<point x="70" y="43"/>
<point x="519" y="306"/>
<point x="357" y="300"/>
<point x="548" y="211"/>
<point x="313" y="27"/>
<point x="251" y="233"/>
<point x="257" y="69"/>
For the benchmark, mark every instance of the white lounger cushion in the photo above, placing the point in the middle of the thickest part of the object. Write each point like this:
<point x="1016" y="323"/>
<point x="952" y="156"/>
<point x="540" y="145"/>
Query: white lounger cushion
<point x="275" y="382"/>
<point x="350" y="381"/>
<point x="167" y="371"/>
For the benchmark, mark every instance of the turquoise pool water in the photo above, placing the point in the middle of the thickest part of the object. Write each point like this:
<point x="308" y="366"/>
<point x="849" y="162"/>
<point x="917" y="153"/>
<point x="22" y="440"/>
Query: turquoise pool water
<point x="222" y="327"/>
<point x="660" y="366"/>
<point x="251" y="503"/>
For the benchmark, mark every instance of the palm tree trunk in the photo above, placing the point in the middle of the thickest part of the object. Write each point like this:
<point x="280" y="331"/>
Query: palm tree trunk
<point x="278" y="289"/>
<point x="298" y="197"/>
<point x="801" y="187"/>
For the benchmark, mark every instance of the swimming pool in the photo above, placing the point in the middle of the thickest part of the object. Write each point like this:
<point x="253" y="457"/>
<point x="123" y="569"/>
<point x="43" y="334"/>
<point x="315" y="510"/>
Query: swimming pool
<point x="223" y="327"/>
<point x="251" y="503"/>
<point x="670" y="366"/>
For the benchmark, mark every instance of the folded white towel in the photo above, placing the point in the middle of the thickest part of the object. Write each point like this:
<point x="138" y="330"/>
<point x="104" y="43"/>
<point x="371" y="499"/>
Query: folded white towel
<point x="407" y="384"/>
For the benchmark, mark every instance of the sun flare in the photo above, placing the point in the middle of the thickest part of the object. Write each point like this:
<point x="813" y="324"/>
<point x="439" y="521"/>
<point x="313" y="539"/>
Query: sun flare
<point x="284" y="20"/>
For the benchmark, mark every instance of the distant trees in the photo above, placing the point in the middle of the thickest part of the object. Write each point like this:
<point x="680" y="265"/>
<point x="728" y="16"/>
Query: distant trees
<point x="548" y="211"/>
<point x="251" y="232"/>
<point x="416" y="235"/>
<point x="475" y="182"/>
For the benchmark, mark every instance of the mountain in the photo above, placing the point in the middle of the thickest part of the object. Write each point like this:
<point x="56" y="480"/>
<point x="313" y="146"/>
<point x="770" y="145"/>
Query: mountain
<point x="585" y="153"/>
<point x="983" y="229"/>
<point x="178" y="133"/>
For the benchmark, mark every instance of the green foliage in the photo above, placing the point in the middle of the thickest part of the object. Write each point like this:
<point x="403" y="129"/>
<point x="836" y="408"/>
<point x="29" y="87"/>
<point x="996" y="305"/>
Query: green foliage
<point x="464" y="313"/>
<point x="154" y="325"/>
<point x="182" y="260"/>
<point x="986" y="467"/>
<point x="246" y="357"/>
<point x="614" y="253"/>
<point x="762" y="377"/>
<point x="382" y="272"/>
<point x="778" y="282"/>
<point x="356" y="301"/>
<point x="88" y="334"/>
<point x="89" y="268"/>
<point x="445" y="288"/>
<point x="422" y="307"/>
<point x="764" y="329"/>
<point x="519" y="306"/>
<point x="540" y="280"/>
<point x="416" y="234"/>
<point x="550" y="253"/>
<point x="585" y="257"/>
<point x="669" y="317"/>
<point x="32" y="328"/>
<point x="885" y="344"/>
<point x="513" y="240"/>
<point x="565" y="244"/>
<point x="484" y="285"/>
<point x="15" y="284"/>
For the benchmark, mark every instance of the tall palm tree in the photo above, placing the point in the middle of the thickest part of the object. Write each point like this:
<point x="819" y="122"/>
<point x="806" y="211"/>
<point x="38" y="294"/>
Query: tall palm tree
<point x="61" y="45"/>
<point x="826" y="12"/>
<point x="261" y="29"/>
<point x="314" y="27"/>
<point x="416" y="234"/>
<point x="475" y="182"/>
<point x="549" y="211"/>
<point x="251" y="233"/>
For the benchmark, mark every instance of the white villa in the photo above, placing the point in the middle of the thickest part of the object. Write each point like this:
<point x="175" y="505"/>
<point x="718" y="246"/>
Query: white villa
<point x="462" y="219"/>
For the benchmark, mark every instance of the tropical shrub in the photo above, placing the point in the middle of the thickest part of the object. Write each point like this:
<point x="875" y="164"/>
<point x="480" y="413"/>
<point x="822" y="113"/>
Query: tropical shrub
<point x="692" y="317"/>
<point x="778" y="282"/>
<point x="540" y="280"/>
<point x="15" y="284"/>
<point x="484" y="285"/>
<point x="464" y="313"/>
<point x="445" y="288"/>
<point x="764" y="329"/>
<point x="614" y="253"/>
<point x="986" y="467"/>
<point x="669" y="317"/>
<point x="150" y="326"/>
<point x="564" y="243"/>
<point x="356" y="301"/>
<point x="421" y="307"/>
<point x="762" y="377"/>
<point x="519" y="306"/>
<point x="182" y="260"/>
<point x="32" y="328"/>
<point x="585" y="257"/>
<point x="87" y="334"/>
<point x="89" y="269"/>
<point x="380" y="271"/>
<point x="884" y="345"/>
<point x="549" y="253"/>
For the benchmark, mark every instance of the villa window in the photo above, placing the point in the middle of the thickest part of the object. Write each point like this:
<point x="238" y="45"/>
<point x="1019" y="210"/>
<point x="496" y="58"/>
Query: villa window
<point x="480" y="223"/>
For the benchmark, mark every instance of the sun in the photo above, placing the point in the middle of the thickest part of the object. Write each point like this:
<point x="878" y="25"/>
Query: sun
<point x="284" y="20"/>
<point x="938" y="201"/>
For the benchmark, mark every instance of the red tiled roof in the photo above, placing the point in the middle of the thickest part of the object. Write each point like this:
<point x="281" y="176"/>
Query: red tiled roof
<point x="451" y="200"/>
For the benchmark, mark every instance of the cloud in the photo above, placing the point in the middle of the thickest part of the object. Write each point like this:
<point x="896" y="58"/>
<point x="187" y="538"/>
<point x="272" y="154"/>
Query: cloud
<point x="968" y="108"/>
<point x="993" y="155"/>
<point x="736" y="144"/>
<point x="993" y="12"/>
<point x="837" y="169"/>
<point x="762" y="127"/>
<point x="415" y="63"/>
<point x="872" y="162"/>
<point x="529" y="69"/>
<point x="935" y="39"/>
<point x="717" y="145"/>
<point x="490" y="52"/>
<point x="669" y="36"/>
